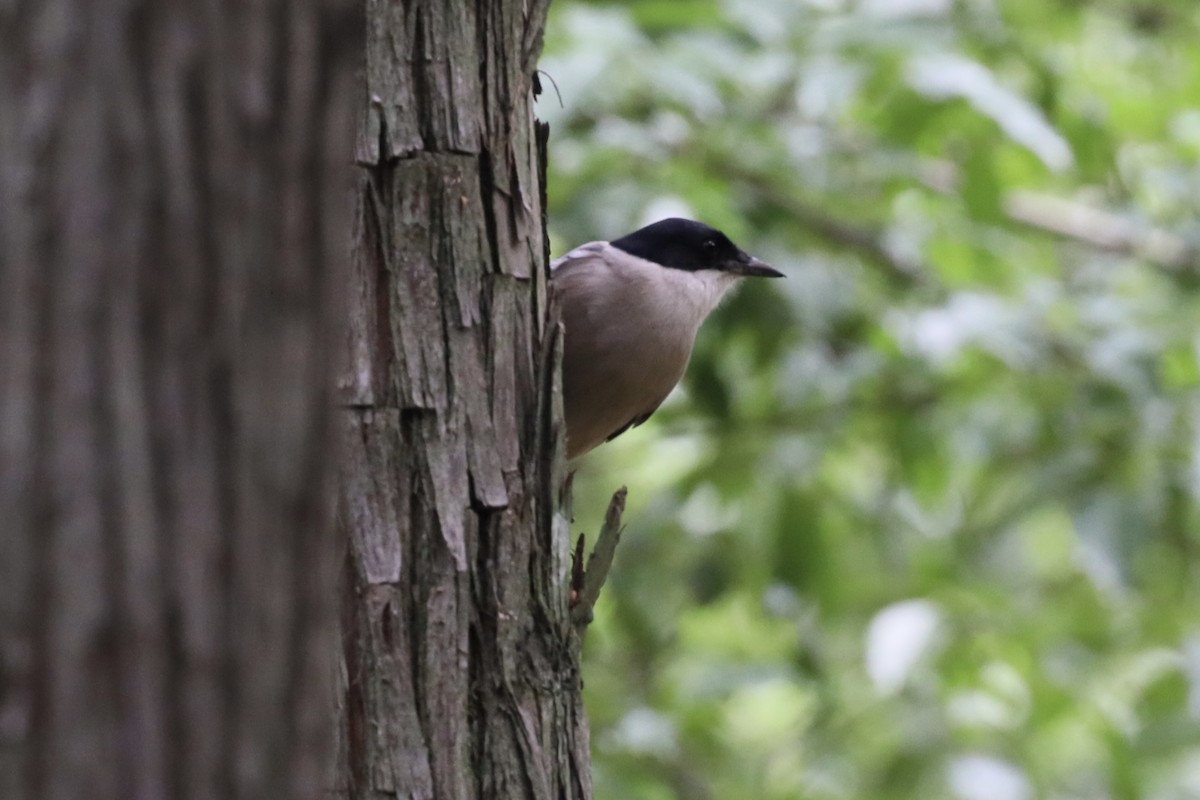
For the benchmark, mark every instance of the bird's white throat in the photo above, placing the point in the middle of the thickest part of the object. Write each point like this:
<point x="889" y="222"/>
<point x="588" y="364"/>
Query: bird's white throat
<point x="684" y="294"/>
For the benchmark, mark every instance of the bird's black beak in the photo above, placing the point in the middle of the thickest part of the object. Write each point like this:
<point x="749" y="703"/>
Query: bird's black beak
<point x="752" y="267"/>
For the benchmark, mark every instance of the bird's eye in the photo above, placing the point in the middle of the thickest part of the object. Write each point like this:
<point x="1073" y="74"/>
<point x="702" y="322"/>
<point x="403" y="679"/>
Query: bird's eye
<point x="710" y="246"/>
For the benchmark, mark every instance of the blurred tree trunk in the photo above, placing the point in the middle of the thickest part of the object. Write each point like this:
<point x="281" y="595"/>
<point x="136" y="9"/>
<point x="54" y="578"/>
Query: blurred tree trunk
<point x="173" y="219"/>
<point x="461" y="668"/>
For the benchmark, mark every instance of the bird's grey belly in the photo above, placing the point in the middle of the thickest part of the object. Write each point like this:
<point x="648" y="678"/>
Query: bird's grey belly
<point x="608" y="385"/>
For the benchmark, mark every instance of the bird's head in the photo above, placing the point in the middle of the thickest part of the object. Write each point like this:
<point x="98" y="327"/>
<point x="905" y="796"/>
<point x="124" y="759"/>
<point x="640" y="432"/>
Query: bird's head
<point x="692" y="246"/>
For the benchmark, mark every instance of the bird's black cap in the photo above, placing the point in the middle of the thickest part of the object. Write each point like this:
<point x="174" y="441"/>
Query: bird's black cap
<point x="689" y="245"/>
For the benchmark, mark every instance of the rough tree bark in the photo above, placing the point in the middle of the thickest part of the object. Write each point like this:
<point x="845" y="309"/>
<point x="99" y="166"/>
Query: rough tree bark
<point x="173" y="218"/>
<point x="461" y="666"/>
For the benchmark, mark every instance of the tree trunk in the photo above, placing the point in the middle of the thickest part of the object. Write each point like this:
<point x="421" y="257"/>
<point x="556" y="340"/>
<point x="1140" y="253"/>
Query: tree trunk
<point x="173" y="218"/>
<point x="461" y="666"/>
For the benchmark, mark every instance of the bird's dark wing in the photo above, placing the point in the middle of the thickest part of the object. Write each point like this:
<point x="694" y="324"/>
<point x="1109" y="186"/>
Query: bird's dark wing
<point x="633" y="423"/>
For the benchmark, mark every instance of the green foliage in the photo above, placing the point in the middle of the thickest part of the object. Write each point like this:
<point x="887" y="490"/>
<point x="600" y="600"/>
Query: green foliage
<point x="923" y="520"/>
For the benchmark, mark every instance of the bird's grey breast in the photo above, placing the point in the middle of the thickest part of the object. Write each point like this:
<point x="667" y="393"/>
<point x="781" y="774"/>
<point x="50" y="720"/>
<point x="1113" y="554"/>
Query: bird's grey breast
<point x="628" y="337"/>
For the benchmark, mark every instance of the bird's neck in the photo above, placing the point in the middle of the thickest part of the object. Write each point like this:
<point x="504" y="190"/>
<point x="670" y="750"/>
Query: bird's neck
<point x="691" y="296"/>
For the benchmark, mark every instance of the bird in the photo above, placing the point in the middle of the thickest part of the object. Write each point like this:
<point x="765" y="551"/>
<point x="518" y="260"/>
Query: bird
<point x="630" y="311"/>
